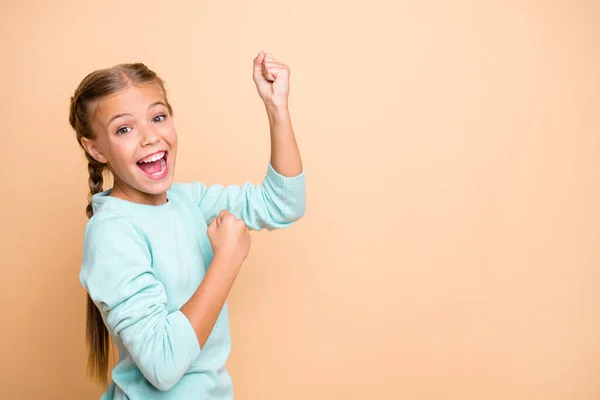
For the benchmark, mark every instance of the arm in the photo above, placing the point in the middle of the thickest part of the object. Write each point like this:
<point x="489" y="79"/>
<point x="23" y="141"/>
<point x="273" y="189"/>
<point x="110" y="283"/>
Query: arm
<point x="285" y="155"/>
<point x="117" y="273"/>
<point x="231" y="242"/>
<point x="272" y="80"/>
<point x="281" y="198"/>
<point x="276" y="203"/>
<point x="203" y="308"/>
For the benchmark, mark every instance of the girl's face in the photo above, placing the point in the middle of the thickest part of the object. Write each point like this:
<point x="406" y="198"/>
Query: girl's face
<point x="136" y="137"/>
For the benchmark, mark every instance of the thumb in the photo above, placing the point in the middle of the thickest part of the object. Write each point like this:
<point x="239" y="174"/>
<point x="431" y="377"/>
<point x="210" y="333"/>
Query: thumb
<point x="258" y="60"/>
<point x="212" y="228"/>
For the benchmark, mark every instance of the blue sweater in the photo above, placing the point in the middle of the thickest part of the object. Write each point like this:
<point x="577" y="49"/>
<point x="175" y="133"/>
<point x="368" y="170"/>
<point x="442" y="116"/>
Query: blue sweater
<point x="141" y="263"/>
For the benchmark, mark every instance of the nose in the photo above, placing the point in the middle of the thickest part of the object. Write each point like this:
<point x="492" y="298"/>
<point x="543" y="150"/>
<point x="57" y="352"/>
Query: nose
<point x="150" y="137"/>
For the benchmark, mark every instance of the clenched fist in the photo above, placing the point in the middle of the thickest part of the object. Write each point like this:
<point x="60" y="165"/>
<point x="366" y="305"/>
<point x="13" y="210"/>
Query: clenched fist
<point x="229" y="238"/>
<point x="272" y="80"/>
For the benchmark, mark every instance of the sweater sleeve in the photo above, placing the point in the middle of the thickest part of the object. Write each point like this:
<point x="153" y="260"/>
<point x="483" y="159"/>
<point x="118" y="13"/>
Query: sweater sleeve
<point x="118" y="275"/>
<point x="275" y="203"/>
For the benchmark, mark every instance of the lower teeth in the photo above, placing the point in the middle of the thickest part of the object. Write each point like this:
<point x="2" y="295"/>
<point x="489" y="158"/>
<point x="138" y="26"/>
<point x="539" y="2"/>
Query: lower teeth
<point x="163" y="164"/>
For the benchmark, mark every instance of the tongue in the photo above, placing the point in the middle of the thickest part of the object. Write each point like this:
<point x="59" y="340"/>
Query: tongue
<point x="151" y="167"/>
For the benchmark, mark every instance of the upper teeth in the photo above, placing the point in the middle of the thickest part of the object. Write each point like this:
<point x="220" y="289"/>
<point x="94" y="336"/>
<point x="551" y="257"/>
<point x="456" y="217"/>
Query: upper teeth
<point x="153" y="157"/>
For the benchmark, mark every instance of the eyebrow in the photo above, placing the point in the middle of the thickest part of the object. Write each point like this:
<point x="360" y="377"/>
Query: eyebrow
<point x="156" y="104"/>
<point x="124" y="114"/>
<point x="115" y="117"/>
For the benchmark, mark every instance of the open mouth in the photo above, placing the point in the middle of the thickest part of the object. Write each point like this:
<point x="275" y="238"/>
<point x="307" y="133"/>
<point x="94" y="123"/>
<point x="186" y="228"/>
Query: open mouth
<point x="155" y="166"/>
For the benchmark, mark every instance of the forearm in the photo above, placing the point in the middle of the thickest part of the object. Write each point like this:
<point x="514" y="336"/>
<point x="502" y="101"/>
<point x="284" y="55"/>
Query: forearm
<point x="285" y="155"/>
<point x="203" y="308"/>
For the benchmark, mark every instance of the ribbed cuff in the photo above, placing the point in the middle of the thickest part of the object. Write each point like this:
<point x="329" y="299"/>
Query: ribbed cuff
<point x="184" y="328"/>
<point x="292" y="183"/>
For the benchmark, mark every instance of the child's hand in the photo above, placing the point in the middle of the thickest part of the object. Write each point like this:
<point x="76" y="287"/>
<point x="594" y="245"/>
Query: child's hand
<point x="272" y="80"/>
<point x="229" y="238"/>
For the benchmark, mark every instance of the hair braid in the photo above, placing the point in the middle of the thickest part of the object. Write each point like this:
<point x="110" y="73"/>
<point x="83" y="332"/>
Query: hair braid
<point x="95" y="181"/>
<point x="93" y="88"/>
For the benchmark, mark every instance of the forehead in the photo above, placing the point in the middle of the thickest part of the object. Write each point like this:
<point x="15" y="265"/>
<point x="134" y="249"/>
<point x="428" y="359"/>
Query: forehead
<point x="133" y="99"/>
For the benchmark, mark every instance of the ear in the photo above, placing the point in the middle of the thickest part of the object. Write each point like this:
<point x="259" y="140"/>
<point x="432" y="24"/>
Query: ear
<point x="92" y="150"/>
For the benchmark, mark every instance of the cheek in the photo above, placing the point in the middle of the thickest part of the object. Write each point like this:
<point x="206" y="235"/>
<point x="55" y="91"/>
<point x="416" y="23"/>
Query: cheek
<point x="170" y="135"/>
<point x="122" y="153"/>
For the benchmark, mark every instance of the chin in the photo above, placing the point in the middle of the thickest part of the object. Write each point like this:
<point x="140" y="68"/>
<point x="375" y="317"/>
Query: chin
<point x="157" y="189"/>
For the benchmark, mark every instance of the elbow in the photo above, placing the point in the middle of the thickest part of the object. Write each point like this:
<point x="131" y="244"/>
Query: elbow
<point x="295" y="215"/>
<point x="162" y="373"/>
<point x="294" y="207"/>
<point x="164" y="386"/>
<point x="165" y="381"/>
<point x="281" y="210"/>
<point x="296" y="212"/>
<point x="163" y="354"/>
<point x="282" y="220"/>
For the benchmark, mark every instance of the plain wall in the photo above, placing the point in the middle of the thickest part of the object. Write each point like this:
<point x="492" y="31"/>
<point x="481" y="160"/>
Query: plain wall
<point x="450" y="248"/>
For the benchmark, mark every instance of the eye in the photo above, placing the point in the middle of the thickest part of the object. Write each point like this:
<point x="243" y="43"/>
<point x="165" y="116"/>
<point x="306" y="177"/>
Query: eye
<point x="159" y="118"/>
<point x="123" y="130"/>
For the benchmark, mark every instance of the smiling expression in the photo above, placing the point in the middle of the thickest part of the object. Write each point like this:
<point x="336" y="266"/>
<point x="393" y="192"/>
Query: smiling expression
<point x="135" y="136"/>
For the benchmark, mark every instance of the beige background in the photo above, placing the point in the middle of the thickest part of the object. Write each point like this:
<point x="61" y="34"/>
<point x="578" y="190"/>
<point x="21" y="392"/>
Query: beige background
<point x="451" y="244"/>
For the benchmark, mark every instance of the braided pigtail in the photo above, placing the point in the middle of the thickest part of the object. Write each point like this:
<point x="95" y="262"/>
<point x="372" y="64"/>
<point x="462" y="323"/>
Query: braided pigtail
<point x="95" y="181"/>
<point x="93" y="88"/>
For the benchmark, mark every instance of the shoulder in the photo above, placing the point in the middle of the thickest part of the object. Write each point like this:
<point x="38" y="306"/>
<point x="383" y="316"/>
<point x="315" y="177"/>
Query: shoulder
<point x="108" y="227"/>
<point x="113" y="247"/>
<point x="112" y="238"/>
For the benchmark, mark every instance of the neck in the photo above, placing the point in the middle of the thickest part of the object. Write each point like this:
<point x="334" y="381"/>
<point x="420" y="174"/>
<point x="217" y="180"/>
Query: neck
<point x="123" y="191"/>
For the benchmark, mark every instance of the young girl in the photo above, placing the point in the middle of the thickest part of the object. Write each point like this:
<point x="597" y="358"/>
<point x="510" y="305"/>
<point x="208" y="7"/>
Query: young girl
<point x="159" y="258"/>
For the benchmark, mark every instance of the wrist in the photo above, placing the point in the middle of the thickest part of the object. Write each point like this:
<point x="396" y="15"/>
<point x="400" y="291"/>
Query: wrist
<point x="278" y="113"/>
<point x="226" y="261"/>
